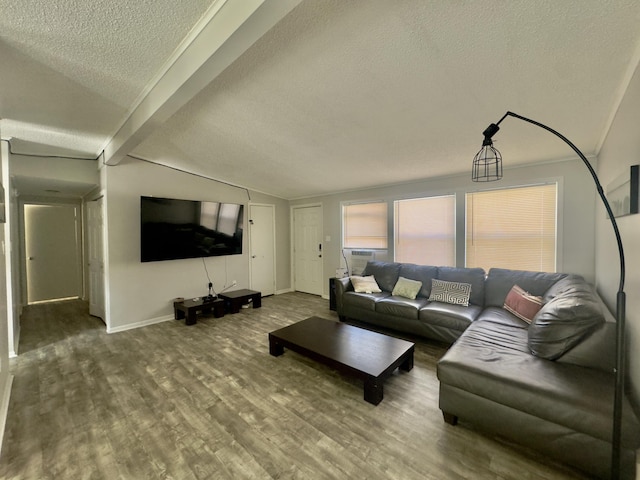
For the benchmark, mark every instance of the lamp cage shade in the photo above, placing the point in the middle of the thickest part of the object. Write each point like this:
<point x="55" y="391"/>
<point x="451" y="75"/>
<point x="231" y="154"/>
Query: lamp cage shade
<point x="487" y="164"/>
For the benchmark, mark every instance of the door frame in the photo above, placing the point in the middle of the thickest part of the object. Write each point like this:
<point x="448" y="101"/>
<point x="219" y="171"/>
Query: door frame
<point x="27" y="200"/>
<point x="293" y="240"/>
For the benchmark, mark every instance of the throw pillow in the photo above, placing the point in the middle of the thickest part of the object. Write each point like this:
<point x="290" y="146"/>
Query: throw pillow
<point x="407" y="288"/>
<point x="522" y="304"/>
<point x="365" y="284"/>
<point x="455" y="293"/>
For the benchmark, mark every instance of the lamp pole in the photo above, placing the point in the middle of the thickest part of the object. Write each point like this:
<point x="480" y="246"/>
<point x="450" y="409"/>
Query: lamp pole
<point x="620" y="297"/>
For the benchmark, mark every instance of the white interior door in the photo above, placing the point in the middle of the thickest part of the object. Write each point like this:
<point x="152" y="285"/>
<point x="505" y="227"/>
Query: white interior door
<point x="307" y="257"/>
<point x="262" y="248"/>
<point x="96" y="258"/>
<point x="52" y="246"/>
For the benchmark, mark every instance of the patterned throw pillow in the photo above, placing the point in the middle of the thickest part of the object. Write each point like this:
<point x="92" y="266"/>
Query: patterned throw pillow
<point x="450" y="292"/>
<point x="407" y="288"/>
<point x="522" y="304"/>
<point x="365" y="284"/>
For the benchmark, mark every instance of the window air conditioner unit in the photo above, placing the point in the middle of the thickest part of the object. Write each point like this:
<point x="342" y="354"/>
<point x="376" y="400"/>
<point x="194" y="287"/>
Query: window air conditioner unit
<point x="359" y="259"/>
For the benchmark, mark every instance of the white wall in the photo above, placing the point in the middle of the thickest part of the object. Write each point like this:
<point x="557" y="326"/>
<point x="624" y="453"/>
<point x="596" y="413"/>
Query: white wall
<point x="5" y="376"/>
<point x="80" y="171"/>
<point x="620" y="150"/>
<point x="577" y="203"/>
<point x="14" y="271"/>
<point x="142" y="293"/>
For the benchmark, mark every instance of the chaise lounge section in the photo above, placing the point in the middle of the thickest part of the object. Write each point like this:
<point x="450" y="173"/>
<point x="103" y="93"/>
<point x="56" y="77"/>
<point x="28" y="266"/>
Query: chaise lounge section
<point x="545" y="382"/>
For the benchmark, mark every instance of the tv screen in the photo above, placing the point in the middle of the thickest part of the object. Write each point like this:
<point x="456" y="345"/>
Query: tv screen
<point x="172" y="229"/>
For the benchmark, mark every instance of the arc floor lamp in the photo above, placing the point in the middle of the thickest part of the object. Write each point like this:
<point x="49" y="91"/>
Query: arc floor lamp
<point x="487" y="166"/>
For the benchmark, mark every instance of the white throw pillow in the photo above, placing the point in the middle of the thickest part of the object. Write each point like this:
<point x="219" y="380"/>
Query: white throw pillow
<point x="365" y="284"/>
<point x="407" y="288"/>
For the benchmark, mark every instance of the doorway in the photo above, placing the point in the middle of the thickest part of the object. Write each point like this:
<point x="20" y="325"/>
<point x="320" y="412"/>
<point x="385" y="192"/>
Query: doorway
<point x="307" y="249"/>
<point x="52" y="252"/>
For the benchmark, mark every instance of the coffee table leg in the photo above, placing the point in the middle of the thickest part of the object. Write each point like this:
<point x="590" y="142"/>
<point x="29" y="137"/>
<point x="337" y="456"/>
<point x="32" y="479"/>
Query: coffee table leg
<point x="191" y="317"/>
<point x="408" y="362"/>
<point x="373" y="390"/>
<point x="275" y="348"/>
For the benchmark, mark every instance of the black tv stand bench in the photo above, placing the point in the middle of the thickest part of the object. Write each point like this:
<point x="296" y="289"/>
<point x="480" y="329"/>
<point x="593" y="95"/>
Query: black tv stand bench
<point x="190" y="309"/>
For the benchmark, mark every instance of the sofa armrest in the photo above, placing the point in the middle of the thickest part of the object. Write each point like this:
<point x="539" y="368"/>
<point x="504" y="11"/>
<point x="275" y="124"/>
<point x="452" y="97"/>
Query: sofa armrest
<point x="342" y="285"/>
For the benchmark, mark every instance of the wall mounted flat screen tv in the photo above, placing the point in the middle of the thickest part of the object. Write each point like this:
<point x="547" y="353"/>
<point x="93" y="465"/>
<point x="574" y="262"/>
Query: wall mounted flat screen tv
<point x="172" y="229"/>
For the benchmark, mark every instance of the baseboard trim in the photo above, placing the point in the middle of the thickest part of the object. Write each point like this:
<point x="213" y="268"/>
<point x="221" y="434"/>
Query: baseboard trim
<point x="4" y="406"/>
<point x="286" y="290"/>
<point x="144" y="323"/>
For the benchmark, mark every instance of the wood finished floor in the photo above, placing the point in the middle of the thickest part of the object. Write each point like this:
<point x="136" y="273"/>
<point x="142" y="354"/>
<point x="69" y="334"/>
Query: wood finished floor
<point x="208" y="402"/>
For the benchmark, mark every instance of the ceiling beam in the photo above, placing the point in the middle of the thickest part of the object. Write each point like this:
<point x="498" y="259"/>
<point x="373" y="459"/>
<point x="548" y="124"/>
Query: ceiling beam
<point x="225" y="32"/>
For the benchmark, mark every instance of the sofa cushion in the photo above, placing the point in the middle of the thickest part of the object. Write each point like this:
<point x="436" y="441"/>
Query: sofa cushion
<point x="366" y="301"/>
<point x="421" y="273"/>
<point x="501" y="316"/>
<point x="407" y="288"/>
<point x="474" y="276"/>
<point x="456" y="317"/>
<point x="365" y="284"/>
<point x="564" y="285"/>
<point x="500" y="280"/>
<point x="400" y="307"/>
<point x="385" y="273"/>
<point x="565" y="320"/>
<point x="522" y="304"/>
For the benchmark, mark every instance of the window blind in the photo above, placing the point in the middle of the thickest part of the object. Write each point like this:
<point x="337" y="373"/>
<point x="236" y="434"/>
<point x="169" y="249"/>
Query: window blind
<point x="365" y="225"/>
<point x="512" y="228"/>
<point x="425" y="230"/>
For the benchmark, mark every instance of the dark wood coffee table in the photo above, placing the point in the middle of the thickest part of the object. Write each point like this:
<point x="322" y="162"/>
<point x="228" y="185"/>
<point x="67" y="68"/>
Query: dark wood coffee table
<point x="367" y="355"/>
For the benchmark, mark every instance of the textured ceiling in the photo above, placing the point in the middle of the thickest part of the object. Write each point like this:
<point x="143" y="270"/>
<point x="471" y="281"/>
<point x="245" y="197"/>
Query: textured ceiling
<point x="71" y="69"/>
<point x="337" y="96"/>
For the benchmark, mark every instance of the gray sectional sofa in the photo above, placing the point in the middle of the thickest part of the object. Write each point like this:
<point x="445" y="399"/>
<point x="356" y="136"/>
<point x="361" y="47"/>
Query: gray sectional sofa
<point x="546" y="383"/>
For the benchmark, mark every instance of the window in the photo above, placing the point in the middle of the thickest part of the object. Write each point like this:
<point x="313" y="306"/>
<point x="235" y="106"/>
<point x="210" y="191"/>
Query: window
<point x="425" y="230"/>
<point x="365" y="225"/>
<point x="512" y="228"/>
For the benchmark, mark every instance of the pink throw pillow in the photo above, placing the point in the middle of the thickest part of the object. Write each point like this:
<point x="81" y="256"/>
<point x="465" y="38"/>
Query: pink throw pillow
<point x="522" y="304"/>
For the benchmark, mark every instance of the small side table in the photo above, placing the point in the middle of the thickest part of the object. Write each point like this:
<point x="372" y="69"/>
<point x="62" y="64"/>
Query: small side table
<point x="190" y="309"/>
<point x="234" y="300"/>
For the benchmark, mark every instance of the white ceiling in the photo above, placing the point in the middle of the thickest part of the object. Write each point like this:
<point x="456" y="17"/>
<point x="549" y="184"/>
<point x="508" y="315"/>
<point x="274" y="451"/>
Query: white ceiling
<point x="338" y="95"/>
